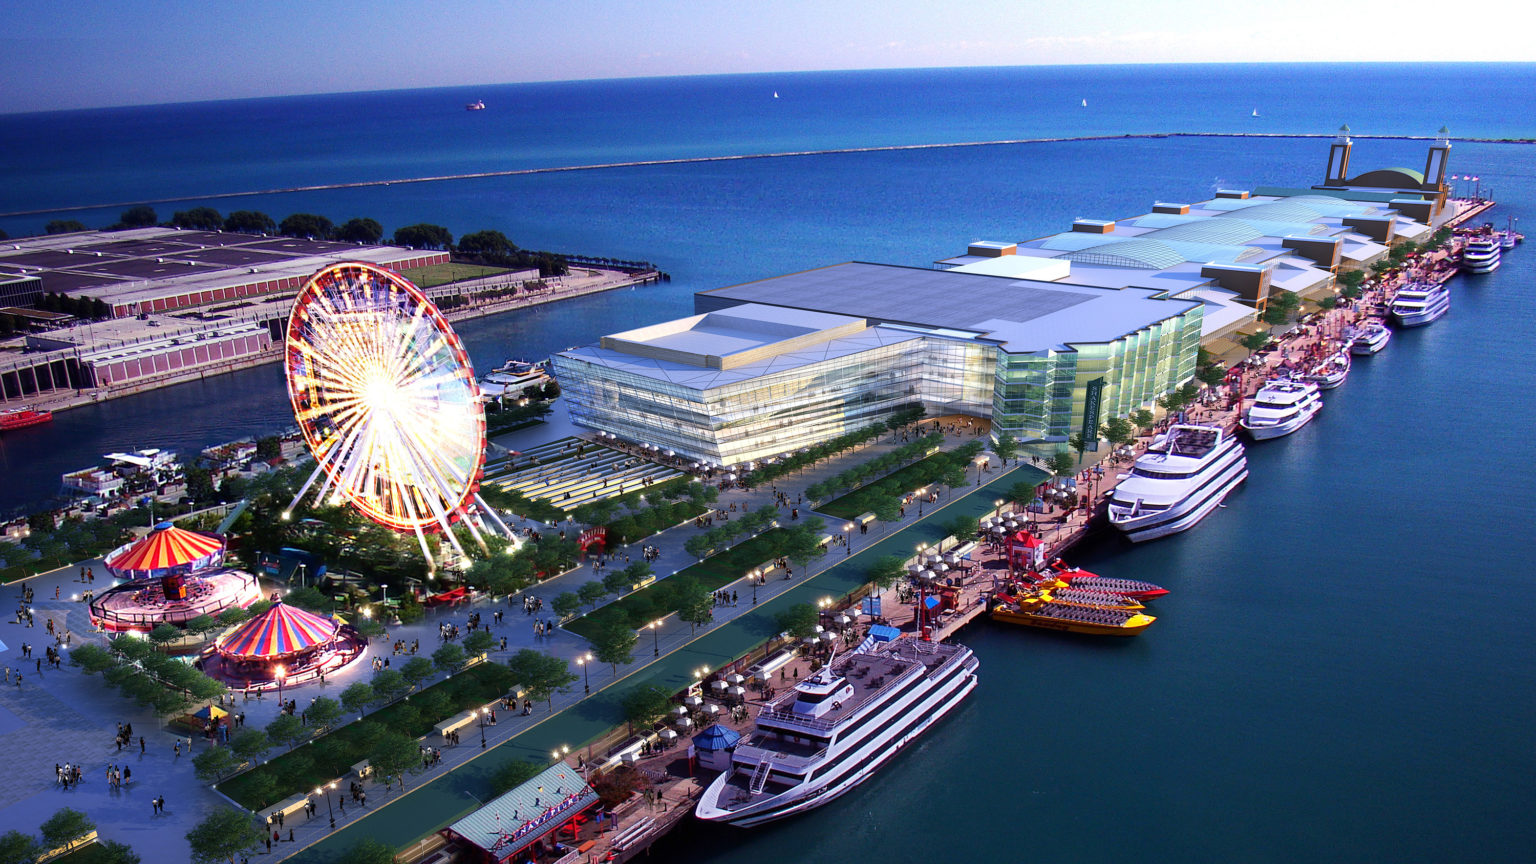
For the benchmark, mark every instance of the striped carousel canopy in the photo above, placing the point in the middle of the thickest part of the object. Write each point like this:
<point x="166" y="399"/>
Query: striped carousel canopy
<point x="281" y="631"/>
<point x="164" y="548"/>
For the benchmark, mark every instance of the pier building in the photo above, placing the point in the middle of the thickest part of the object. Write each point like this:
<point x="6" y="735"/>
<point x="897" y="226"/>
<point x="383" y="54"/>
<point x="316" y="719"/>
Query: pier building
<point x="1044" y="337"/>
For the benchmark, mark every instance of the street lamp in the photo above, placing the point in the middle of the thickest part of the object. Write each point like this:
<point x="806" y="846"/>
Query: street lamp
<point x="481" y="712"/>
<point x="848" y="539"/>
<point x="282" y="674"/>
<point x="754" y="574"/>
<point x="921" y="494"/>
<point x="586" y="673"/>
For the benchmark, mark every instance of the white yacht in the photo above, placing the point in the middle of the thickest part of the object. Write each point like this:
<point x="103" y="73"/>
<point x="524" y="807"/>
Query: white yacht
<point x="1181" y="478"/>
<point x="1371" y="338"/>
<point x="1281" y="407"/>
<point x="1419" y="303"/>
<point x="1331" y="372"/>
<point x="511" y="378"/>
<point x="1481" y="255"/>
<point x="835" y="728"/>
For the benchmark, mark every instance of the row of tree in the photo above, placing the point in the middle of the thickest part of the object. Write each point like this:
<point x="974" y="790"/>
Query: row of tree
<point x="64" y="828"/>
<point x="89" y="308"/>
<point x="143" y="673"/>
<point x="884" y="497"/>
<point x="767" y="473"/>
<point x="881" y="465"/>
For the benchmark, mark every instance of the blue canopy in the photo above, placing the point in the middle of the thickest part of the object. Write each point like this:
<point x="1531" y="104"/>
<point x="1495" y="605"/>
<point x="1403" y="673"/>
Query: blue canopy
<point x="884" y="633"/>
<point x="716" y="738"/>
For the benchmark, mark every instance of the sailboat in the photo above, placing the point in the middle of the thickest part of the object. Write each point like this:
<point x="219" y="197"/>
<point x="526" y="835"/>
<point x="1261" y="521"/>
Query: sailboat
<point x="775" y="94"/>
<point x="1255" y="112"/>
<point x="1085" y="103"/>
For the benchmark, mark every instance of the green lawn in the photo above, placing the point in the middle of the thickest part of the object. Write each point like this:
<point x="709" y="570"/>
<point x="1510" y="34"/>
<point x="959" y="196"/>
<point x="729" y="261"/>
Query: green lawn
<point x="648" y="603"/>
<point x="332" y="755"/>
<point x="859" y="501"/>
<point x="441" y="274"/>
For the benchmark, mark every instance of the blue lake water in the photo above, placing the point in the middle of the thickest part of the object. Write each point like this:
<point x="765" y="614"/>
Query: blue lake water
<point x="1344" y="669"/>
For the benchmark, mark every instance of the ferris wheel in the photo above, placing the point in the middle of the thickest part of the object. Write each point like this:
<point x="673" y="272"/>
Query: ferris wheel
<point x="387" y="401"/>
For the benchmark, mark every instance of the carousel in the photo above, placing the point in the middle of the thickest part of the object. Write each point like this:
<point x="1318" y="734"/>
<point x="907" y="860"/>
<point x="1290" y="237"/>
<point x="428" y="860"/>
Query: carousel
<point x="283" y="646"/>
<point x="170" y="576"/>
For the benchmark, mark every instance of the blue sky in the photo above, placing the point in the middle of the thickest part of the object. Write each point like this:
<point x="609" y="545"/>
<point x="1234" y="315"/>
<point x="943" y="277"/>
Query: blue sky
<point x="88" y="53"/>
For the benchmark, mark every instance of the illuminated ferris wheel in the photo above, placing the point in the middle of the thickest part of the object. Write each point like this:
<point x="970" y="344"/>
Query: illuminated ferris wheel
<point x="387" y="402"/>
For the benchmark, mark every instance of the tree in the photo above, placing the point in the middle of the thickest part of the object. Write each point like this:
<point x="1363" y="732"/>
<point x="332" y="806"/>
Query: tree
<point x="232" y="616"/>
<point x="540" y="675"/>
<point x="198" y="218"/>
<point x="1006" y="447"/>
<point x="64" y="226"/>
<point x="886" y="570"/>
<point x="614" y="643"/>
<point x="591" y="593"/>
<point x="250" y="744"/>
<point x="1118" y="430"/>
<point x="695" y="603"/>
<point x="886" y="509"/>
<point x="392" y="755"/>
<point x="369" y="851"/>
<point x="202" y="625"/>
<point x="165" y="634"/>
<point x="1078" y="442"/>
<point x="486" y="243"/>
<point x="799" y="620"/>
<point x="566" y="604"/>
<point x="1210" y="376"/>
<point x="1256" y="341"/>
<point x="141" y="216"/>
<point x="414" y="671"/>
<point x="643" y="706"/>
<point x="65" y="827"/>
<point x="698" y="546"/>
<point x="551" y="389"/>
<point x="424" y="236"/>
<point x="390" y="685"/>
<point x="357" y="696"/>
<point x="360" y="230"/>
<point x="1143" y="419"/>
<point x="476" y="643"/>
<point x="323" y="713"/>
<point x="224" y="834"/>
<point x="250" y="222"/>
<point x="513" y="774"/>
<point x="18" y="848"/>
<point x="1062" y="463"/>
<point x="307" y="225"/>
<point x="286" y="729"/>
<point x="618" y="581"/>
<point x="449" y="658"/>
<point x="214" y="764"/>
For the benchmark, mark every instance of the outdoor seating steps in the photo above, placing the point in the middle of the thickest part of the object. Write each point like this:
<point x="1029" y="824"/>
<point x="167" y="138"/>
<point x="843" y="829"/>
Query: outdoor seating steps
<point x="453" y="723"/>
<point x="760" y="777"/>
<point x="633" y="834"/>
<point x="362" y="770"/>
<point x="289" y="806"/>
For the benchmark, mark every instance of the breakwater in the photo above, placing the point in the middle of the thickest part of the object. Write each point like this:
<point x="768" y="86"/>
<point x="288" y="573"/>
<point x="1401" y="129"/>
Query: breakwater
<point x="736" y="157"/>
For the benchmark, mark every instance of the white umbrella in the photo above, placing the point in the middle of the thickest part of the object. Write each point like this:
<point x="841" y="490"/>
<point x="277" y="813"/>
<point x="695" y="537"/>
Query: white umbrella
<point x="711" y="709"/>
<point x="812" y="640"/>
<point x="680" y="710"/>
<point x="844" y="620"/>
<point x="737" y="691"/>
<point x="684" y="722"/>
<point x="718" y="685"/>
<point x="695" y="701"/>
<point x="736" y="679"/>
<point x="914" y="568"/>
<point x="951" y="558"/>
<point x="941" y="567"/>
<point x="926" y="574"/>
<point x="998" y="529"/>
<point x="668" y="735"/>
<point x="632" y="758"/>
<point x="820" y="629"/>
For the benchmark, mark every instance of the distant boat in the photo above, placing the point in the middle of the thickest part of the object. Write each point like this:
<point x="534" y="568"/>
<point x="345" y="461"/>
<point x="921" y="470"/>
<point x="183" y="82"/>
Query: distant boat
<point x="476" y="105"/>
<point x="775" y="94"/>
<point x="1085" y="103"/>
<point x="1255" y="112"/>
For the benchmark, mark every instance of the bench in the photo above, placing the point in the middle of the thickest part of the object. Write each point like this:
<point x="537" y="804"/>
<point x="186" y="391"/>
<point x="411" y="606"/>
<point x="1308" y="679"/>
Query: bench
<point x="633" y="834"/>
<point x="455" y="723"/>
<point x="362" y="770"/>
<point x="762" y="671"/>
<point x="289" y="806"/>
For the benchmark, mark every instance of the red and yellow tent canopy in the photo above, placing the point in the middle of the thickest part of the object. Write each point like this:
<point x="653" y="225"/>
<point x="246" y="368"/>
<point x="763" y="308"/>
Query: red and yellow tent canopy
<point x="279" y="632"/>
<point x="164" y="548"/>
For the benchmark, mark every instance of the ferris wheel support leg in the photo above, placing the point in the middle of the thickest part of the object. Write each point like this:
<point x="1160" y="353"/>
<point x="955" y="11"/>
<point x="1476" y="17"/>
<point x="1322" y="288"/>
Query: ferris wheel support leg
<point x="496" y="518"/>
<point x="425" y="553"/>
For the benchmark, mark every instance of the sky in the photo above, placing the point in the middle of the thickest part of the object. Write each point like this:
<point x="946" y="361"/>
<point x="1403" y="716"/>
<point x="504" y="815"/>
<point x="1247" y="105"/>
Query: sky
<point x="96" y="53"/>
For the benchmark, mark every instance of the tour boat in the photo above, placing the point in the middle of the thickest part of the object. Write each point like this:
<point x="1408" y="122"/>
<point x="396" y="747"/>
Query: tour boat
<point x="1181" y="478"/>
<point x="476" y="105"/>
<point x="20" y="418"/>
<point x="1330" y="373"/>
<point x="1419" y="303"/>
<point x="1281" y="407"/>
<point x="511" y="378"/>
<point x="1091" y="597"/>
<point x="837" y="727"/>
<point x="1370" y="339"/>
<point x="1077" y="577"/>
<point x="1481" y="255"/>
<point x="1041" y="612"/>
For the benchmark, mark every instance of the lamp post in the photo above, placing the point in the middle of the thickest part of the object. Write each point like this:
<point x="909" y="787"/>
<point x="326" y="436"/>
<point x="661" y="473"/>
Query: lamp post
<point x="921" y="494"/>
<point x="583" y="661"/>
<point x="655" y="628"/>
<point x="329" y="809"/>
<point x="847" y="539"/>
<point x="282" y="674"/>
<point x="754" y="574"/>
<point x="481" y="712"/>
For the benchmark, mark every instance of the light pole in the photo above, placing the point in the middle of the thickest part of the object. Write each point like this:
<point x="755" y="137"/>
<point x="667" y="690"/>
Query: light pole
<point x="481" y="712"/>
<point x="282" y="675"/>
<point x="754" y="574"/>
<point x="848" y="539"/>
<point x="583" y="661"/>
<point x="921" y="494"/>
<point x="655" y="628"/>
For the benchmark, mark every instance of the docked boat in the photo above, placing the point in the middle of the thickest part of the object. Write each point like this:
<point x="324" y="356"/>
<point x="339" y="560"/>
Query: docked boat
<point x="837" y="727"/>
<point x="1041" y="612"/>
<point x="1481" y="255"/>
<point x="20" y="418"/>
<point x="1281" y="407"/>
<point x="476" y="105"/>
<point x="1330" y="373"/>
<point x="1077" y="577"/>
<point x="1181" y="478"/>
<point x="1092" y="598"/>
<point x="511" y="378"/>
<point x="1420" y="303"/>
<point x="1371" y="338"/>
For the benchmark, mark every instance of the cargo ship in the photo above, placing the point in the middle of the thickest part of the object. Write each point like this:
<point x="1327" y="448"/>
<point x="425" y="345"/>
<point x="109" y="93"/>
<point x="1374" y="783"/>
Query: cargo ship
<point x="20" y="418"/>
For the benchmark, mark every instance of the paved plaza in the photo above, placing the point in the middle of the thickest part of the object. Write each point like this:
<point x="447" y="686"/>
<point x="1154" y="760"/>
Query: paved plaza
<point x="63" y="715"/>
